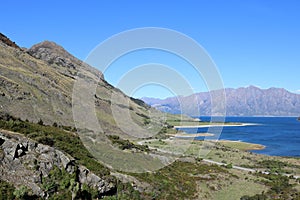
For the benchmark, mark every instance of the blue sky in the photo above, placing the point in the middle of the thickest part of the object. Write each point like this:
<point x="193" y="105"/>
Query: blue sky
<point x="252" y="42"/>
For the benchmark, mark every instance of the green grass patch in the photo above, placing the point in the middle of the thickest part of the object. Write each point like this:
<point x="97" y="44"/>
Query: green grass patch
<point x="6" y="191"/>
<point x="66" y="141"/>
<point x="244" y="146"/>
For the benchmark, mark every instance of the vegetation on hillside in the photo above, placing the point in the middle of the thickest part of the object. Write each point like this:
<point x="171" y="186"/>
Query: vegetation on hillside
<point x="126" y="144"/>
<point x="6" y="190"/>
<point x="280" y="188"/>
<point x="178" y="180"/>
<point x="183" y="179"/>
<point x="60" y="184"/>
<point x="64" y="140"/>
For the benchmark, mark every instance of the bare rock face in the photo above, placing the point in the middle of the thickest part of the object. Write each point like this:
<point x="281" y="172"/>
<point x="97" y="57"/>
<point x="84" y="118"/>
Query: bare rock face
<point x="25" y="162"/>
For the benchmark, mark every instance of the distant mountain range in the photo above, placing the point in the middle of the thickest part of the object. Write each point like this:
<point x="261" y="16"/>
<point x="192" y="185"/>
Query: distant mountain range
<point x="249" y="101"/>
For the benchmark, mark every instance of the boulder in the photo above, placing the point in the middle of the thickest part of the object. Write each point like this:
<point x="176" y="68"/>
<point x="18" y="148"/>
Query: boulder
<point x="25" y="162"/>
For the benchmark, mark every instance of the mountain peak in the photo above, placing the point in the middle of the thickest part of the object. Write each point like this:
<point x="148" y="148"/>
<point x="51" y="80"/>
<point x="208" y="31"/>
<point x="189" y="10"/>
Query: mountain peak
<point x="8" y="42"/>
<point x="253" y="87"/>
<point x="48" y="45"/>
<point x="49" y="48"/>
<point x="55" y="54"/>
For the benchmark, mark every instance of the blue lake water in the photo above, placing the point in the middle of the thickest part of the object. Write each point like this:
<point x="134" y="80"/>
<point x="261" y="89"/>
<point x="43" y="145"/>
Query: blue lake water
<point x="280" y="135"/>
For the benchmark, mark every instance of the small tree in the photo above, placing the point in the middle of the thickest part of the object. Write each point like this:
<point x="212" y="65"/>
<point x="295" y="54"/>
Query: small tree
<point x="40" y="122"/>
<point x="21" y="192"/>
<point x="74" y="188"/>
<point x="55" y="124"/>
<point x="229" y="166"/>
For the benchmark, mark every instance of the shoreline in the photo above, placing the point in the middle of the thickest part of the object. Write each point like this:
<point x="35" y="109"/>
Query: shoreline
<point x="190" y="135"/>
<point x="215" y="125"/>
<point x="245" y="146"/>
<point x="251" y="146"/>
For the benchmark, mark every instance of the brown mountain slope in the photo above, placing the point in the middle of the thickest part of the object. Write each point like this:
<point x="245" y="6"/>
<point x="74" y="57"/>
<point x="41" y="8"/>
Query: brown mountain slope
<point x="38" y="84"/>
<point x="7" y="41"/>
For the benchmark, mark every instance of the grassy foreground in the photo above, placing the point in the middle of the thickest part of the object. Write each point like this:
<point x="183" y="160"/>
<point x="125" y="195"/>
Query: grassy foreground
<point x="189" y="177"/>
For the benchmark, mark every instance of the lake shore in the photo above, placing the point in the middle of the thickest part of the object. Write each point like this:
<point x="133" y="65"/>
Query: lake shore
<point x="215" y="125"/>
<point x="190" y="135"/>
<point x="236" y="144"/>
<point x="246" y="146"/>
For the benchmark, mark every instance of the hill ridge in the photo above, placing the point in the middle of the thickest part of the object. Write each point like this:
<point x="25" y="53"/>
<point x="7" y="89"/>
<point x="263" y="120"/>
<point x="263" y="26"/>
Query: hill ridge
<point x="242" y="101"/>
<point x="7" y="41"/>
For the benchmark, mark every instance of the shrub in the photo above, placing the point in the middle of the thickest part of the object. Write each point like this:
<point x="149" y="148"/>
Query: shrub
<point x="21" y="192"/>
<point x="229" y="166"/>
<point x="6" y="191"/>
<point x="40" y="122"/>
<point x="126" y="144"/>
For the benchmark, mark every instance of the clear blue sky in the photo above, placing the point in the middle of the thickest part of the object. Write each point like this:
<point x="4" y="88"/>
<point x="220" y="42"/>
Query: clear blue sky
<point x="252" y="42"/>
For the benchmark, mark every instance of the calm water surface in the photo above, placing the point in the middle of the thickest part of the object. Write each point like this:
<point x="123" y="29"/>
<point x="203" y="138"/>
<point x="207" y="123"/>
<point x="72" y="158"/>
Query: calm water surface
<point x="280" y="135"/>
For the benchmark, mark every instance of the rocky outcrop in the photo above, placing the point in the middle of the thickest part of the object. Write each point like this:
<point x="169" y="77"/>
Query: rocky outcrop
<point x="25" y="162"/>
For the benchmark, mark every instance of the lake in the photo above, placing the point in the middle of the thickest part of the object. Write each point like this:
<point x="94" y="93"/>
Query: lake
<point x="280" y="135"/>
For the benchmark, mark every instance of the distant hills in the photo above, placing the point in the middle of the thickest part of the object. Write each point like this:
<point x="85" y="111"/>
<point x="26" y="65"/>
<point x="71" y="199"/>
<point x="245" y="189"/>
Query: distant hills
<point x="249" y="101"/>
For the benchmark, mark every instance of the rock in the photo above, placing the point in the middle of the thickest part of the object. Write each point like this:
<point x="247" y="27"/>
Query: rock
<point x="25" y="162"/>
<point x="1" y="141"/>
<point x="137" y="185"/>
<point x="20" y="151"/>
<point x="71" y="166"/>
<point x="204" y="176"/>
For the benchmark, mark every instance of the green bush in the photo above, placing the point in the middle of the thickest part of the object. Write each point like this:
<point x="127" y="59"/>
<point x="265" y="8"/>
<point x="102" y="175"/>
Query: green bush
<point x="40" y="122"/>
<point x="60" y="184"/>
<point x="255" y="197"/>
<point x="6" y="191"/>
<point x="229" y="166"/>
<point x="274" y="166"/>
<point x="21" y="193"/>
<point x="126" y="144"/>
<point x="280" y="188"/>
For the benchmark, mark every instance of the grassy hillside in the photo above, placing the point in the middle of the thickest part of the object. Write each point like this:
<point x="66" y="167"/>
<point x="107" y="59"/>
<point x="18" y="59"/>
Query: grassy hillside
<point x="188" y="177"/>
<point x="38" y="84"/>
<point x="36" y="99"/>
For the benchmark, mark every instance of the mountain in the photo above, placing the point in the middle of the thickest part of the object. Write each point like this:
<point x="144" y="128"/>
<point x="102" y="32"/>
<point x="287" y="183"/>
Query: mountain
<point x="44" y="154"/>
<point x="249" y="101"/>
<point x="38" y="84"/>
<point x="37" y="99"/>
